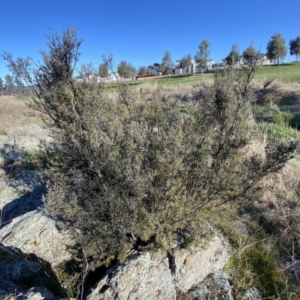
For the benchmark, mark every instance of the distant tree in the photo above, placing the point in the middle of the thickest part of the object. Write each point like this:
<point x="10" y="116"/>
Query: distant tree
<point x="1" y="85"/>
<point x="202" y="55"/>
<point x="167" y="65"/>
<point x="157" y="65"/>
<point x="126" y="70"/>
<point x="233" y="55"/>
<point x="9" y="84"/>
<point x="251" y="56"/>
<point x="103" y="70"/>
<point x="276" y="48"/>
<point x="142" y="71"/>
<point x="88" y="72"/>
<point x="186" y="61"/>
<point x="295" y="47"/>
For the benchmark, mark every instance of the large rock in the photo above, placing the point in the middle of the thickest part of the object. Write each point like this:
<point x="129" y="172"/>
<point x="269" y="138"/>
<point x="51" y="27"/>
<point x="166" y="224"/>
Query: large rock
<point x="36" y="233"/>
<point x="160" y="275"/>
<point x="141" y="277"/>
<point x="194" y="264"/>
<point x="24" y="277"/>
<point x="21" y="194"/>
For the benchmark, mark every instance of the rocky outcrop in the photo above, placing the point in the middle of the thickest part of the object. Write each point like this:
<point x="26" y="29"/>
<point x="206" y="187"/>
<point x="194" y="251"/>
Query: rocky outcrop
<point x="24" y="223"/>
<point x="36" y="233"/>
<point x="159" y="276"/>
<point x="21" y="194"/>
<point x="24" y="276"/>
<point x="194" y="264"/>
<point x="141" y="277"/>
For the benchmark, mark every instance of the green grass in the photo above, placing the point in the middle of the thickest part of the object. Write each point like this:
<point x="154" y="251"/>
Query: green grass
<point x="173" y="80"/>
<point x="285" y="72"/>
<point x="279" y="133"/>
<point x="181" y="79"/>
<point x="256" y="258"/>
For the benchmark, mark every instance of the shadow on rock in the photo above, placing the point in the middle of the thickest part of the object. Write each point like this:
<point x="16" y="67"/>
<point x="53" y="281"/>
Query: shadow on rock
<point x="29" y="202"/>
<point x="26" y="273"/>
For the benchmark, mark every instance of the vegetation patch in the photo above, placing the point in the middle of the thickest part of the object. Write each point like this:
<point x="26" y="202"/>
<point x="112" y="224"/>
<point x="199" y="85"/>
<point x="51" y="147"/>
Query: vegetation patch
<point x="134" y="171"/>
<point x="279" y="134"/>
<point x="257" y="258"/>
<point x="284" y="73"/>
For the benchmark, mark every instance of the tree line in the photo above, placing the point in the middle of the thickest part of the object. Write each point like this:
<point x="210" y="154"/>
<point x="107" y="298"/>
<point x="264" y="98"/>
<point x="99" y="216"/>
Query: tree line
<point x="276" y="50"/>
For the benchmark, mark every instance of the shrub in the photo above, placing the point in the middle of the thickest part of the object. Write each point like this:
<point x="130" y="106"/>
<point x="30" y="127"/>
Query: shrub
<point x="132" y="173"/>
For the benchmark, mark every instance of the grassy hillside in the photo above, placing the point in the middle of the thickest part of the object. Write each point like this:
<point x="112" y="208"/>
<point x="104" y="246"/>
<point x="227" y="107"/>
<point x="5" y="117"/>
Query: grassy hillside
<point x="166" y="81"/>
<point x="285" y="72"/>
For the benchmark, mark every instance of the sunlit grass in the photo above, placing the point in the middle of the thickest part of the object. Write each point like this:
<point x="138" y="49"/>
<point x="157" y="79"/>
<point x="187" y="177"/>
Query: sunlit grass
<point x="277" y="133"/>
<point x="285" y="72"/>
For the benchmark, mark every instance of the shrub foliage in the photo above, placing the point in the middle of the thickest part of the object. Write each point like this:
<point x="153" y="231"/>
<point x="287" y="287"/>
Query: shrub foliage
<point x="133" y="172"/>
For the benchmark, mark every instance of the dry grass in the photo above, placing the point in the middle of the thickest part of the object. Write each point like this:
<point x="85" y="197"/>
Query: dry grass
<point x="278" y="211"/>
<point x="14" y="112"/>
<point x="278" y="92"/>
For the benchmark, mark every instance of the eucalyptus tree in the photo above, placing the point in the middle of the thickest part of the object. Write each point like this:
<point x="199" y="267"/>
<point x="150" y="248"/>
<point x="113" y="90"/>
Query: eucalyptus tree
<point x="167" y="64"/>
<point x="276" y="49"/>
<point x="295" y="47"/>
<point x="202" y="55"/>
<point x="233" y="55"/>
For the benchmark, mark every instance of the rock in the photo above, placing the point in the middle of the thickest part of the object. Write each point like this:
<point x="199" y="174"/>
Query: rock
<point x="241" y="227"/>
<point x="8" y="290"/>
<point x="20" y="271"/>
<point x="18" y="274"/>
<point x="215" y="286"/>
<point x="193" y="265"/>
<point x="36" y="293"/>
<point x="158" y="276"/>
<point x="21" y="195"/>
<point x="36" y="233"/>
<point x="252" y="294"/>
<point x="141" y="277"/>
<point x="11" y="190"/>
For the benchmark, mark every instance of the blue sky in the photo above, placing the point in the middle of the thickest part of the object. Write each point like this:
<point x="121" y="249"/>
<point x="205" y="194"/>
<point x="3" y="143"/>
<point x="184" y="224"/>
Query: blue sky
<point x="140" y="31"/>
